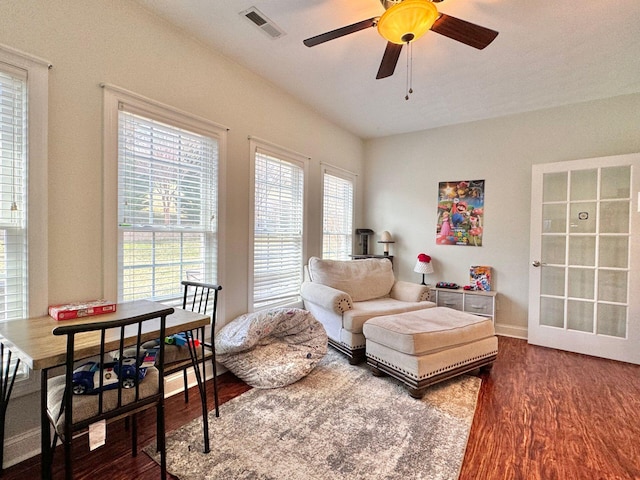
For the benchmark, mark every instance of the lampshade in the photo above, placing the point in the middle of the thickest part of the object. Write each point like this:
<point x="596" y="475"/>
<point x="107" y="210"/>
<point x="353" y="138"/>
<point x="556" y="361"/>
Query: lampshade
<point x="425" y="268"/>
<point x="385" y="237"/>
<point x="407" y="21"/>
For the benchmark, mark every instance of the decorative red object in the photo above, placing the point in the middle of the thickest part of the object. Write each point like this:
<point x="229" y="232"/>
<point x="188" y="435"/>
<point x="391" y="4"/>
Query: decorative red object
<point x="423" y="257"/>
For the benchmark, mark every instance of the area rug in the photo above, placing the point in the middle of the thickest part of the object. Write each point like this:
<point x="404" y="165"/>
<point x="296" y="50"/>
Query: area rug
<point x="339" y="422"/>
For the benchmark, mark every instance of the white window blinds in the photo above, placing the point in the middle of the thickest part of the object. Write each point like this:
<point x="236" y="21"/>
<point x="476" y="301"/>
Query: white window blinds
<point x="337" y="217"/>
<point x="13" y="199"/>
<point x="278" y="230"/>
<point x="23" y="196"/>
<point x="167" y="207"/>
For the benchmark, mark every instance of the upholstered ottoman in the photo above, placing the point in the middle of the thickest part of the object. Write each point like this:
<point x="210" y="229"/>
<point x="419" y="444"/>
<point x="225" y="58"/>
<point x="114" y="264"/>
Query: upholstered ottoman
<point x="424" y="347"/>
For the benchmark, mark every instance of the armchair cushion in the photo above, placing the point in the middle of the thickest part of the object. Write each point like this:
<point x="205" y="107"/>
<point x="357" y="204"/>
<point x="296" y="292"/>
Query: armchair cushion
<point x="353" y="320"/>
<point x="361" y="279"/>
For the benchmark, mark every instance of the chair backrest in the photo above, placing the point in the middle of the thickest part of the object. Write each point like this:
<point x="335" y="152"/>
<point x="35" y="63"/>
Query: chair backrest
<point x="122" y="396"/>
<point x="201" y="298"/>
<point x="364" y="279"/>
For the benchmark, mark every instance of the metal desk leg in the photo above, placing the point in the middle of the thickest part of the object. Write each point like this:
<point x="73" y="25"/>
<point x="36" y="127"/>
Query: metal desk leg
<point x="6" y="386"/>
<point x="201" y="379"/>
<point x="46" y="453"/>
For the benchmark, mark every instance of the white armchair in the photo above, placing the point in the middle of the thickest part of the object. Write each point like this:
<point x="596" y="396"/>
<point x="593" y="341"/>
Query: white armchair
<point x="343" y="295"/>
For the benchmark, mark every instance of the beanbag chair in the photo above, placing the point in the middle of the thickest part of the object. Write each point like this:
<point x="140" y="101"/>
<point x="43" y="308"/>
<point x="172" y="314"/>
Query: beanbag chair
<point x="271" y="348"/>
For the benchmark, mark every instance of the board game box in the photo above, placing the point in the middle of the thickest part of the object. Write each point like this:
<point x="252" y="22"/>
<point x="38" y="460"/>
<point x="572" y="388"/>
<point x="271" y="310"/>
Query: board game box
<point x="480" y="276"/>
<point x="81" y="309"/>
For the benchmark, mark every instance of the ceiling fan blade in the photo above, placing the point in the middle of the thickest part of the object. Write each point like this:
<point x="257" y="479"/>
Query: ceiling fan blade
<point x="468" y="33"/>
<point x="340" y="32"/>
<point x="389" y="60"/>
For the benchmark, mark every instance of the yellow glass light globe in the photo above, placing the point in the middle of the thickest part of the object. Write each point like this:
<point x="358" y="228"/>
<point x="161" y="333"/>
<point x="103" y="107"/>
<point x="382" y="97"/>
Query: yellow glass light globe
<point x="407" y="21"/>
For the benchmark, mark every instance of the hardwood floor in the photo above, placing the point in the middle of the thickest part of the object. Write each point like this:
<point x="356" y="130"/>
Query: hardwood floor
<point x="542" y="414"/>
<point x="548" y="414"/>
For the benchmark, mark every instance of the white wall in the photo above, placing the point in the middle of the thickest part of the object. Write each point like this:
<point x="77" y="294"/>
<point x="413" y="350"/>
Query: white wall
<point x="403" y="172"/>
<point x="118" y="42"/>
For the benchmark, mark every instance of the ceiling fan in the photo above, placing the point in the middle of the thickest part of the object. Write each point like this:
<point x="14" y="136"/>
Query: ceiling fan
<point x="405" y="21"/>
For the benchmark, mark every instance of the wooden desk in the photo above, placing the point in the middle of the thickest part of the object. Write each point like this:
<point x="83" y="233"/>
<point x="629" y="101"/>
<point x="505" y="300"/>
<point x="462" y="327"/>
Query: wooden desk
<point x="33" y="342"/>
<point x="31" y="339"/>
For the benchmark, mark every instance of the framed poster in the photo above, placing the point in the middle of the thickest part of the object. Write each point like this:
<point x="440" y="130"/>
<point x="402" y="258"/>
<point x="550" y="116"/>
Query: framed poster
<point x="460" y="213"/>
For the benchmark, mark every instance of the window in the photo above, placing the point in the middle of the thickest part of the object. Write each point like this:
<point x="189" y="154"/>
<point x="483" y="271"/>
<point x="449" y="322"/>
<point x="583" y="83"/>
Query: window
<point x="23" y="188"/>
<point x="13" y="182"/>
<point x="278" y="225"/>
<point x="167" y="200"/>
<point x="337" y="214"/>
<point x="167" y="207"/>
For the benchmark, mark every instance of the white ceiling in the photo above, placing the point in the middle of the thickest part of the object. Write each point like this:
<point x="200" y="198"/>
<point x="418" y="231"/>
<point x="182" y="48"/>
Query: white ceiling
<point x="547" y="54"/>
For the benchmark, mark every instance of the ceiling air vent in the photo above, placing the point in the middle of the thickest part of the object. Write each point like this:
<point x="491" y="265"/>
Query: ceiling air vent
<point x="267" y="26"/>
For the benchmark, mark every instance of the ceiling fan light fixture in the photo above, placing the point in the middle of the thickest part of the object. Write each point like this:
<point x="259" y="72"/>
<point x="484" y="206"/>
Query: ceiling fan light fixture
<point x="407" y="21"/>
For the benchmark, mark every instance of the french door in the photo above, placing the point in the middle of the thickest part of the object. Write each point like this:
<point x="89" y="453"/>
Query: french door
<point x="585" y="247"/>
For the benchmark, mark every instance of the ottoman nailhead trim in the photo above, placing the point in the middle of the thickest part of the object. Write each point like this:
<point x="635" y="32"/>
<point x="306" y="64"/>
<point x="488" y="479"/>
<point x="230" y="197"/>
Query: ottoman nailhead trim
<point x="435" y="372"/>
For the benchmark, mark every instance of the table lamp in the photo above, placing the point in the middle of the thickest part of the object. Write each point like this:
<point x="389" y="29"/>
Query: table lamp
<point x="423" y="266"/>
<point x="386" y="239"/>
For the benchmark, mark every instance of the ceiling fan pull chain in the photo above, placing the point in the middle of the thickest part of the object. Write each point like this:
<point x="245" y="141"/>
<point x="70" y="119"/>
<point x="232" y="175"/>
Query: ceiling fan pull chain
<point x="409" y="70"/>
<point x="406" y="97"/>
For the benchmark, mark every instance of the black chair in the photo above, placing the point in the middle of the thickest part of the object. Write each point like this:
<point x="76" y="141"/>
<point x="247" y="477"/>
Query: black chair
<point x="201" y="298"/>
<point x="69" y="412"/>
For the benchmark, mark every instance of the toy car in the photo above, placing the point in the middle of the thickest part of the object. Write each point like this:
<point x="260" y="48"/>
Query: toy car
<point x="86" y="378"/>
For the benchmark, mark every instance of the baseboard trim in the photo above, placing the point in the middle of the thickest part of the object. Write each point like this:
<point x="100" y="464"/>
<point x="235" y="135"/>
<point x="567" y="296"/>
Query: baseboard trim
<point x="21" y="447"/>
<point x="174" y="384"/>
<point x="510" y="331"/>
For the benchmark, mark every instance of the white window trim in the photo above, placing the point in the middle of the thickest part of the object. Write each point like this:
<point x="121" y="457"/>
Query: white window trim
<point x="293" y="157"/>
<point x="38" y="158"/>
<point x="112" y="97"/>
<point x="346" y="175"/>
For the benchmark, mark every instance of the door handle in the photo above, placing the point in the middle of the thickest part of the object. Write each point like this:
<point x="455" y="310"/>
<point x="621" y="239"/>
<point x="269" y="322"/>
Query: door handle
<point x="537" y="263"/>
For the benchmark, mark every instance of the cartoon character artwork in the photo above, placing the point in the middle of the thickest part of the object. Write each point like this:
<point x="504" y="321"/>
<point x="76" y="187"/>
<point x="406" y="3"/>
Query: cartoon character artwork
<point x="480" y="277"/>
<point x="475" y="227"/>
<point x="444" y="234"/>
<point x="460" y="213"/>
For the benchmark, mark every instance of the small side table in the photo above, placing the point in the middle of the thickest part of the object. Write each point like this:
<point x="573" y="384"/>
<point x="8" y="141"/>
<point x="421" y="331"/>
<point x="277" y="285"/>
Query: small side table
<point x="477" y="302"/>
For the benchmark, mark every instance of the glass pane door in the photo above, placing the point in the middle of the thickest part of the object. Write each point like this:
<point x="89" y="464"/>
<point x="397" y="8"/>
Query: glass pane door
<point x="585" y="241"/>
